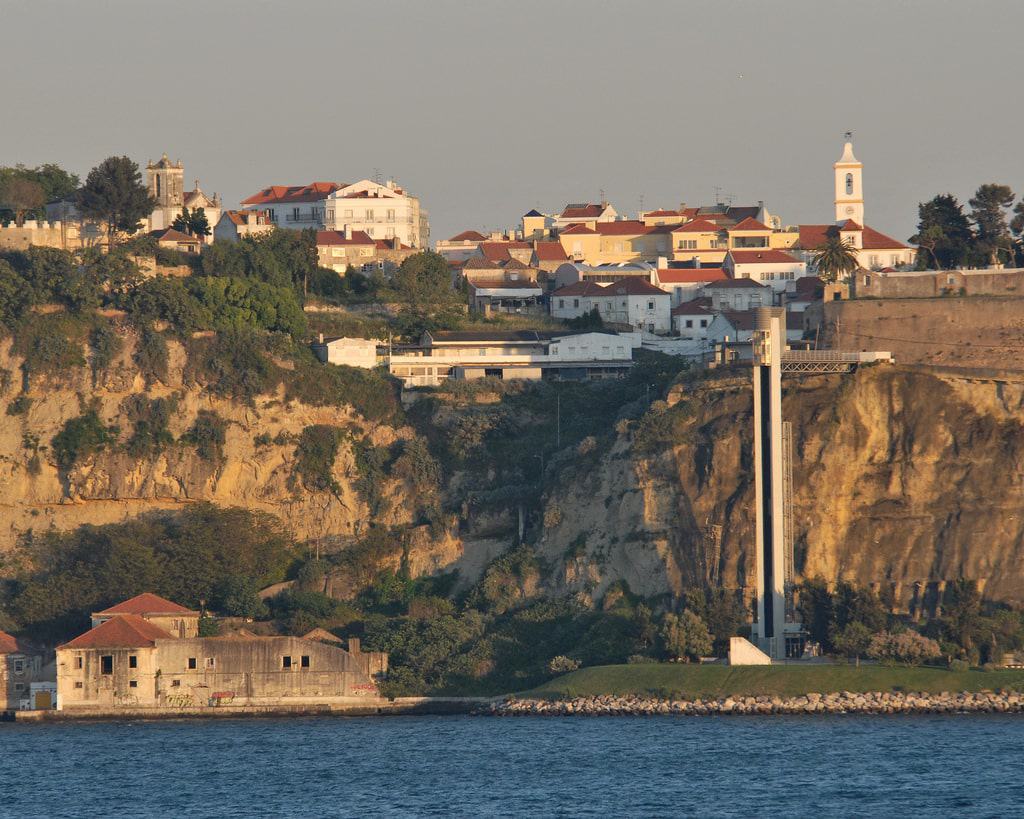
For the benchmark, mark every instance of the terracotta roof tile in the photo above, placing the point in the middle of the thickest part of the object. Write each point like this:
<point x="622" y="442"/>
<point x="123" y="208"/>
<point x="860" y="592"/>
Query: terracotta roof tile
<point x="468" y="236"/>
<point x="582" y="211"/>
<point x="734" y="284"/>
<point x="147" y="603"/>
<point x="499" y="251"/>
<point x="634" y="286"/>
<point x="623" y="227"/>
<point x="238" y="216"/>
<point x="581" y="228"/>
<point x="172" y="235"/>
<point x="120" y="631"/>
<point x="550" y="252"/>
<point x="750" y="223"/>
<point x="873" y="240"/>
<point x="337" y="237"/>
<point x="765" y="256"/>
<point x="697" y="226"/>
<point x="586" y="288"/>
<point x="284" y="194"/>
<point x="696" y="307"/>
<point x="9" y="643"/>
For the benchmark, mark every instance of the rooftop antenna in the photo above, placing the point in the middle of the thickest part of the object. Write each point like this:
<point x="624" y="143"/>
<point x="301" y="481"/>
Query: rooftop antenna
<point x="848" y="136"/>
<point x="601" y="193"/>
<point x="641" y="203"/>
<point x="377" y="176"/>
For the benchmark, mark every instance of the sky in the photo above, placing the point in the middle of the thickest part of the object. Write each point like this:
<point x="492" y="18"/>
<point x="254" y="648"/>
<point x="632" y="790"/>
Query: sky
<point x="486" y="109"/>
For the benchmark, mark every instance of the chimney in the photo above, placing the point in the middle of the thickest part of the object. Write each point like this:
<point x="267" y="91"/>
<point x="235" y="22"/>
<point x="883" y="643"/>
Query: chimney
<point x="496" y="236"/>
<point x="662" y="262"/>
<point x="353" y="645"/>
<point x="348" y="231"/>
<point x="396" y="243"/>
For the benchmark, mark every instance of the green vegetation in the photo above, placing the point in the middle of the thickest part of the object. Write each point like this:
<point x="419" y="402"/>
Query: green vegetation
<point x="190" y="557"/>
<point x="23" y="191"/>
<point x="114" y="195"/>
<point x="315" y="454"/>
<point x="692" y="681"/>
<point x="207" y="434"/>
<point x="992" y="233"/>
<point x="81" y="437"/>
<point x="150" y="419"/>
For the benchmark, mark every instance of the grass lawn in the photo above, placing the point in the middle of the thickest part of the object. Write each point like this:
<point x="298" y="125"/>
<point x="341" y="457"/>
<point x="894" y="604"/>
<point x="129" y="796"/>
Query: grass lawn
<point x="691" y="681"/>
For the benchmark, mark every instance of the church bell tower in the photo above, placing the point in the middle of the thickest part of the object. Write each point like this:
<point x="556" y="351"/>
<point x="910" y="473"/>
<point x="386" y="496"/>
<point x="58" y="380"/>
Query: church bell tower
<point x="849" y="176"/>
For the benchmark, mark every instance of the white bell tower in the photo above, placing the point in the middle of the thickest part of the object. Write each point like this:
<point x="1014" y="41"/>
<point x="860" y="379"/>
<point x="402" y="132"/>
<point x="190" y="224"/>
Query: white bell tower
<point x="849" y="174"/>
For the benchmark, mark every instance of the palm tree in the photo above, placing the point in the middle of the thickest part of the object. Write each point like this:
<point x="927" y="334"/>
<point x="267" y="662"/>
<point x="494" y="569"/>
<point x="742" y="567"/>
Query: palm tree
<point x="834" y="259"/>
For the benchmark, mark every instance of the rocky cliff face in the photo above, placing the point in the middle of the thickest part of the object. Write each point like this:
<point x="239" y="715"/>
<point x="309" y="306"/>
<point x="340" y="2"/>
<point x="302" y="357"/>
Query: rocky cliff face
<point x="900" y="478"/>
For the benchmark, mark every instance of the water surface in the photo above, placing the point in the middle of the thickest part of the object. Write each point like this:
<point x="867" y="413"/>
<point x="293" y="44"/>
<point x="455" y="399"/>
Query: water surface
<point x="473" y="766"/>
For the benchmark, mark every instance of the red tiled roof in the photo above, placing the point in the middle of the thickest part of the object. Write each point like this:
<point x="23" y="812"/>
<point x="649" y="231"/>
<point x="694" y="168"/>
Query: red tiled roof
<point x="808" y="285"/>
<point x="468" y="236"/>
<point x="147" y="603"/>
<point x="581" y="228"/>
<point x="690" y="275"/>
<point x="750" y="223"/>
<point x="283" y="194"/>
<point x="766" y="256"/>
<point x="583" y="212"/>
<point x="499" y="251"/>
<point x="172" y="235"/>
<point x="586" y="288"/>
<point x="9" y="643"/>
<point x="873" y="240"/>
<point x="697" y="307"/>
<point x="385" y="244"/>
<point x="550" y="252"/>
<point x="337" y="237"/>
<point x="633" y="286"/>
<point x="238" y="216"/>
<point x="814" y="236"/>
<point x="121" y="631"/>
<point x="622" y="227"/>
<point x="663" y="213"/>
<point x="697" y="226"/>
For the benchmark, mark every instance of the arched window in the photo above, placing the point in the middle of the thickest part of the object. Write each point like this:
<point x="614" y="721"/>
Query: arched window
<point x="849" y="184"/>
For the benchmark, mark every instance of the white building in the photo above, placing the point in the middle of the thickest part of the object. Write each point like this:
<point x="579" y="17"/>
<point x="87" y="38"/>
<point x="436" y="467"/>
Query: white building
<point x="294" y="206"/>
<point x="686" y="283"/>
<point x="382" y="211"/>
<point x="521" y="354"/>
<point x="775" y="268"/>
<point x="584" y="214"/>
<point x="692" y="319"/>
<point x="738" y="294"/>
<point x="631" y="301"/>
<point x="571" y="272"/>
<point x="351" y="352"/>
<point x="234" y="224"/>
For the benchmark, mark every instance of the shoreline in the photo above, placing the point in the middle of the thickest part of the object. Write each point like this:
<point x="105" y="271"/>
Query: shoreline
<point x="843" y="702"/>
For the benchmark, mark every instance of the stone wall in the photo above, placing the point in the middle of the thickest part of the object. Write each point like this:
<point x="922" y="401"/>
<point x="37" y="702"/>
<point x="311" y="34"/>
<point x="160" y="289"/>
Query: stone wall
<point x="927" y="284"/>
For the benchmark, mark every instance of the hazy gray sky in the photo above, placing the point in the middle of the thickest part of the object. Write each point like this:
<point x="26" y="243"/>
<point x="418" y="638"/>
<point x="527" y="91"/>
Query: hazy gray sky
<point x="487" y="109"/>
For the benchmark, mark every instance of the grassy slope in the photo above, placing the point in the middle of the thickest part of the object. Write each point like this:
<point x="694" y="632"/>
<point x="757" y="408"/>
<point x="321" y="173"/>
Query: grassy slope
<point x="692" y="681"/>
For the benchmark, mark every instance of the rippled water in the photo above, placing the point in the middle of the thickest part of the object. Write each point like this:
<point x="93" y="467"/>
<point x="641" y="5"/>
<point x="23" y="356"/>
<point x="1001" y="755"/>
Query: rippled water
<point x="465" y="766"/>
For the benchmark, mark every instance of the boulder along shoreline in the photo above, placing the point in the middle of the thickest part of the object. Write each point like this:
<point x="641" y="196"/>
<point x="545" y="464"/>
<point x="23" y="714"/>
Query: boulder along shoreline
<point x="844" y="702"/>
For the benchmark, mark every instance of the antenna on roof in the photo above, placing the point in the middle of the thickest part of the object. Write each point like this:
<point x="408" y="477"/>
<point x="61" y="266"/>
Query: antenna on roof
<point x="641" y="203"/>
<point x="848" y="136"/>
<point x="601" y="193"/>
<point x="377" y="176"/>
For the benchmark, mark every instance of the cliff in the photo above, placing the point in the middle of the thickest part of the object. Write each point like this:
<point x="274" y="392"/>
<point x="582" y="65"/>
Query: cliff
<point x="901" y="477"/>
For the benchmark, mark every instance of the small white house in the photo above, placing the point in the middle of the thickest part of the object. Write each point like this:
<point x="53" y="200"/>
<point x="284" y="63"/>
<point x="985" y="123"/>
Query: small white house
<point x="352" y="352"/>
<point x="775" y="268"/>
<point x="692" y="319"/>
<point x="234" y="224"/>
<point x="738" y="294"/>
<point x="633" y="301"/>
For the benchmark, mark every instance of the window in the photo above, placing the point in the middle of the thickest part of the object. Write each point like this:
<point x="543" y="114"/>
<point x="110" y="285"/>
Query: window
<point x="650" y="305"/>
<point x="19" y="666"/>
<point x="107" y="664"/>
<point x="286" y="662"/>
<point x="19" y="686"/>
<point x="133" y="661"/>
<point x="703" y="322"/>
<point x="192" y="664"/>
<point x="78" y="684"/>
<point x="348" y="213"/>
<point x="849" y="184"/>
<point x="211" y="662"/>
<point x="561" y="303"/>
<point x="295" y="214"/>
<point x="575" y="302"/>
<point x="689" y="323"/>
<point x="369" y="216"/>
<point x="304" y="661"/>
<point x="133" y="683"/>
<point x="158" y="186"/>
<point x="391" y="216"/>
<point x="175" y="683"/>
<point x="688" y="244"/>
<point x="78" y="662"/>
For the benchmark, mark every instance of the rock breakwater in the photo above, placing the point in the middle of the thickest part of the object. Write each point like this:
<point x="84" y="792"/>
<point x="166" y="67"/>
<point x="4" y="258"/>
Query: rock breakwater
<point x="843" y="702"/>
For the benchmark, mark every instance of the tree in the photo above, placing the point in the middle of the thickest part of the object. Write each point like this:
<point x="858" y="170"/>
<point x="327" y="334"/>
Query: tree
<point x="944" y="231"/>
<point x="685" y="636"/>
<point x="21" y="194"/>
<point x="853" y="641"/>
<point x="1017" y="226"/>
<point x="193" y="223"/>
<point x="834" y="259"/>
<point x="904" y="647"/>
<point x="181" y="221"/>
<point x="989" y="205"/>
<point x="424" y="280"/>
<point x="54" y="182"/>
<point x="114" y="194"/>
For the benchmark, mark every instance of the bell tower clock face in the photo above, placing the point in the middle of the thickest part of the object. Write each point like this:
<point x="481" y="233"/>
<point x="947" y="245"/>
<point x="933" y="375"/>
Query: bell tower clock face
<point x="849" y="210"/>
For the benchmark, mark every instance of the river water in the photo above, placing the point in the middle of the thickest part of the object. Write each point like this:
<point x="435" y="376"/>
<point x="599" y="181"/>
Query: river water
<point x="907" y="766"/>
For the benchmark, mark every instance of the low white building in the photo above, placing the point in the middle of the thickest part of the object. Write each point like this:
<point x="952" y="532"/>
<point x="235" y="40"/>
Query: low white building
<point x="775" y="268"/>
<point x="738" y="294"/>
<point x="632" y="301"/>
<point x="520" y="354"/>
<point x="234" y="224"/>
<point x="351" y="352"/>
<point x="692" y="319"/>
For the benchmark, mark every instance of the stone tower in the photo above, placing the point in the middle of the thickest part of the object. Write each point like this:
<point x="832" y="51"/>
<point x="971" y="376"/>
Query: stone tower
<point x="166" y="181"/>
<point x="849" y="178"/>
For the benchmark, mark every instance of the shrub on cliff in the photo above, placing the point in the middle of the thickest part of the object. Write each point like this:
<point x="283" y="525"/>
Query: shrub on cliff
<point x="315" y="454"/>
<point x="207" y="434"/>
<point x="81" y="437"/>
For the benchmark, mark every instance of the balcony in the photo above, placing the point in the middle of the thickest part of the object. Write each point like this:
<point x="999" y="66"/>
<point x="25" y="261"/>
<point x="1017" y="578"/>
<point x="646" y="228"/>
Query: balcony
<point x="303" y="217"/>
